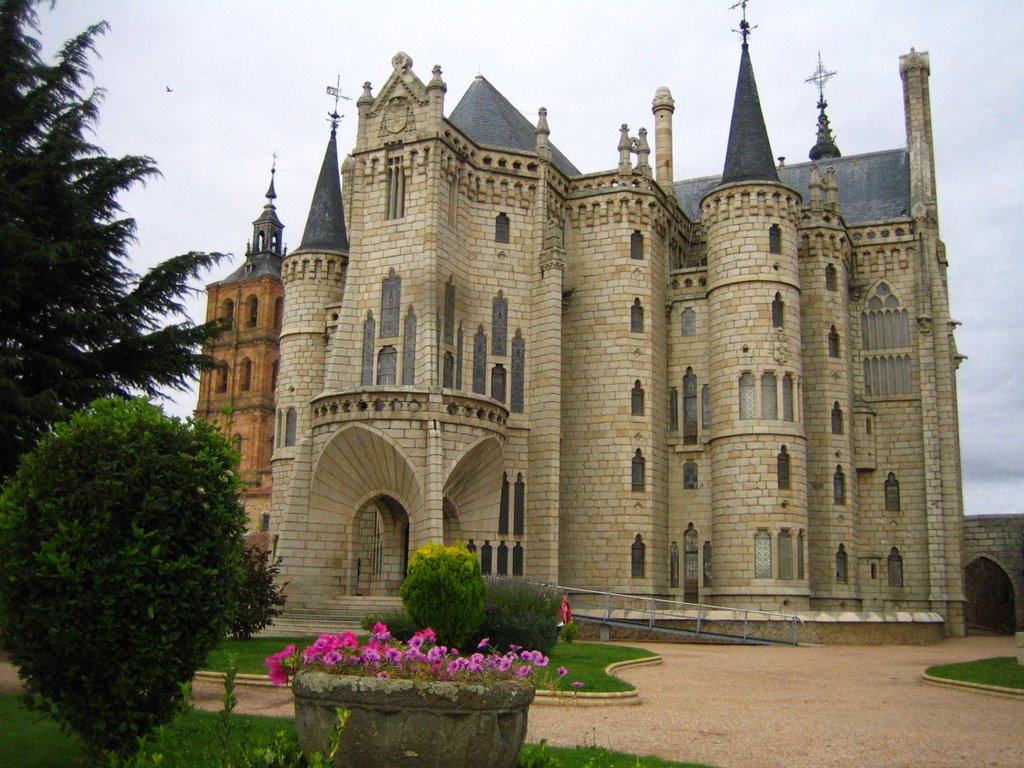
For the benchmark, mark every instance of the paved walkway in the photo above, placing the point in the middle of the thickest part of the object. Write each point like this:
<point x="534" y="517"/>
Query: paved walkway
<point x="762" y="707"/>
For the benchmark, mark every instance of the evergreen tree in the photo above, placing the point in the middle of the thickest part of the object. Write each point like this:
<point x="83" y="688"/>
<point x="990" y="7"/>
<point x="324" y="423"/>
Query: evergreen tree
<point x="75" y="322"/>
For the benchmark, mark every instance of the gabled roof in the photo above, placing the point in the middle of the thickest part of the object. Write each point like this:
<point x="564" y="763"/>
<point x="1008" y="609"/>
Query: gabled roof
<point x="325" y="225"/>
<point x="749" y="154"/>
<point x="489" y="119"/>
<point x="872" y="187"/>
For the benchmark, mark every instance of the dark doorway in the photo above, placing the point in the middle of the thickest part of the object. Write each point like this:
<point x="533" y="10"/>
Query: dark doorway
<point x="989" y="593"/>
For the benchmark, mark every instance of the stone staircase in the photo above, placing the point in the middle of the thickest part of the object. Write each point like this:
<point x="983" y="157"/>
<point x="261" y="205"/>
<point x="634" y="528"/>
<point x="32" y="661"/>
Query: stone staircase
<point x="343" y="614"/>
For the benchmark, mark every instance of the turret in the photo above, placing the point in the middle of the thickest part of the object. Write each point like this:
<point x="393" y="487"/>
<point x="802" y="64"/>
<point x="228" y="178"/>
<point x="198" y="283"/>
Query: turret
<point x="663" y="106"/>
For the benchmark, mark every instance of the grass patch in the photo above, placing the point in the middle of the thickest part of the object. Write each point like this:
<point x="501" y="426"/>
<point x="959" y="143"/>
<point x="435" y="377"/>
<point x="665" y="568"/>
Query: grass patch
<point x="586" y="662"/>
<point x="1003" y="671"/>
<point x="593" y="757"/>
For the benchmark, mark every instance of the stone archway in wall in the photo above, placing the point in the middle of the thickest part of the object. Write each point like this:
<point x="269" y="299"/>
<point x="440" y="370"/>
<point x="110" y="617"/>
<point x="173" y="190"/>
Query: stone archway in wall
<point x="472" y="493"/>
<point x="364" y="499"/>
<point x="990" y="599"/>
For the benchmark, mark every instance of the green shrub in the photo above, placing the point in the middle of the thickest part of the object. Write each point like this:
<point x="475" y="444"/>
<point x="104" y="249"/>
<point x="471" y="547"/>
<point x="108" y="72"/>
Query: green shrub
<point x="399" y="625"/>
<point x="259" y="597"/>
<point x="445" y="591"/>
<point x="517" y="612"/>
<point x="569" y="632"/>
<point x="120" y="539"/>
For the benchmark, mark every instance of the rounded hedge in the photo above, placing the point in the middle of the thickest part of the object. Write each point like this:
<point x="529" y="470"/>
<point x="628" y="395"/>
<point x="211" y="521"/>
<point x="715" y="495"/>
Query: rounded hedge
<point x="522" y="613"/>
<point x="120" y="541"/>
<point x="444" y="590"/>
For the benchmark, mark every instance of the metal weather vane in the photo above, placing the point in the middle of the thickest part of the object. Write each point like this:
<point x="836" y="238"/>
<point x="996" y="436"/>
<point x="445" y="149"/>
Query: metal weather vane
<point x="819" y="77"/>
<point x="745" y="26"/>
<point x="335" y="91"/>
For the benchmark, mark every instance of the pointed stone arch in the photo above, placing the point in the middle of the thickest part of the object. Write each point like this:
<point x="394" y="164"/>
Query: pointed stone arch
<point x="989" y="591"/>
<point x="472" y="491"/>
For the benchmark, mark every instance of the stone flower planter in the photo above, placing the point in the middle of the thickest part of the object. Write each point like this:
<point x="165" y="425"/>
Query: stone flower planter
<point x="414" y="723"/>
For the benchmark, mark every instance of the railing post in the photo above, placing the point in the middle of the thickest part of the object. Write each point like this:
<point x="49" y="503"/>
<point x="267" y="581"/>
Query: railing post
<point x="746" y="615"/>
<point x="700" y="616"/>
<point x="607" y="606"/>
<point x="654" y="614"/>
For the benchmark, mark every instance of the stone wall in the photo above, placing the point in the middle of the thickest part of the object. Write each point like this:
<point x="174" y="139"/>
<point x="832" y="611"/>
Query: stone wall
<point x="994" y="571"/>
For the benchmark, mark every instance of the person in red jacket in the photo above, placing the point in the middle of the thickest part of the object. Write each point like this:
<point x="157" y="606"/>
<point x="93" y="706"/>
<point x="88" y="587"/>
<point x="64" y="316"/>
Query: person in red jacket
<point x="564" y="612"/>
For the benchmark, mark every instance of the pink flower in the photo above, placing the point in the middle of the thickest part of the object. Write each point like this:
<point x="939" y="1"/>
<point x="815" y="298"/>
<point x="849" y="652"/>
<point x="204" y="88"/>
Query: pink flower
<point x="278" y="675"/>
<point x="577" y="685"/>
<point x="562" y="671"/>
<point x="523" y="671"/>
<point x="483" y="643"/>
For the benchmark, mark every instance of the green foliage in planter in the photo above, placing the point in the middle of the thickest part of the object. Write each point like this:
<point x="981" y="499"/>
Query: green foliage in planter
<point x="120" y="540"/>
<point x="517" y="612"/>
<point x="259" y="597"/>
<point x="569" y="632"/>
<point x="444" y="590"/>
<point x="399" y="625"/>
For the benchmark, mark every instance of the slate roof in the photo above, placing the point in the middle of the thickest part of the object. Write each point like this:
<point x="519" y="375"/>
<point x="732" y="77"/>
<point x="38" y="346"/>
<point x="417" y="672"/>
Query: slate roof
<point x="489" y="119"/>
<point x="749" y="154"/>
<point x="325" y="224"/>
<point x="872" y="187"/>
<point x="263" y="264"/>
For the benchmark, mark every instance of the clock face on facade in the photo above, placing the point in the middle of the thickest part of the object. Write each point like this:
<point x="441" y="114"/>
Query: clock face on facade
<point x="396" y="114"/>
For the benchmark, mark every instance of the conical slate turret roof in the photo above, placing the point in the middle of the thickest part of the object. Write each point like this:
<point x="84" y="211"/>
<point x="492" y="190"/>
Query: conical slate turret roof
<point x="325" y="225"/>
<point x="749" y="155"/>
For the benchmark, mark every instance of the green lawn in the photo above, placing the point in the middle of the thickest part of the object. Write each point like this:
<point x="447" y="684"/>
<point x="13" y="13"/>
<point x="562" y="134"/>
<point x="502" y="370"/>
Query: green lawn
<point x="586" y="662"/>
<point x="1003" y="671"/>
<point x="26" y="741"/>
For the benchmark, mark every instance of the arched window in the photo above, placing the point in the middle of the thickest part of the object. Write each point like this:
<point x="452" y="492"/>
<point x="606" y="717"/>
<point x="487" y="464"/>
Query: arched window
<point x="833" y="342"/>
<point x="706" y="553"/>
<point x="517" y="559"/>
<point x="390" y="303"/>
<point x="747" y="396"/>
<point x="638" y="554"/>
<point x="246" y="383"/>
<point x="885" y="325"/>
<point x="222" y="379"/>
<point x="639" y="470"/>
<point x="519" y="506"/>
<point x="690" y="407"/>
<point x="769" y="397"/>
<point x="480" y="362"/>
<point x="892" y="493"/>
<point x="778" y="310"/>
<point x="830" y="278"/>
<point x="774" y="239"/>
<point x="395" y="188"/>
<point x="800" y="555"/>
<point x="449" y="311"/>
<point x="673" y="409"/>
<point x="762" y="554"/>
<point x="673" y="565"/>
<point x="459" y="342"/>
<point x="895" y="568"/>
<point x="499" y="325"/>
<point x="841" y="569"/>
<point x="689" y="322"/>
<point x="448" y="371"/>
<point x="369" y="336"/>
<point x="636" y="245"/>
<point x="503" y="506"/>
<point x="837" y="419"/>
<point x="785" y="554"/>
<point x="228" y="312"/>
<point x="690" y="476"/>
<point x="636" y="399"/>
<point x="409" y="349"/>
<point x="290" y="426"/>
<point x="518" y="371"/>
<point x="387" y="365"/>
<point x="278" y="313"/>
<point x="485" y="558"/>
<point x="501" y="228"/>
<point x="782" y="469"/>
<point x="503" y="559"/>
<point x="252" y="314"/>
<point x="705" y="407"/>
<point x="471" y="546"/>
<point x="787" y="397"/>
<point x="636" y="317"/>
<point x="498" y="377"/>
<point x="839" y="486"/>
<point x="690" y="569"/>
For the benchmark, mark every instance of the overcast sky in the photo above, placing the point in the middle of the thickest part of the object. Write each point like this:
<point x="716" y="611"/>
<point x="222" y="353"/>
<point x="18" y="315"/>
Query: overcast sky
<point x="247" y="79"/>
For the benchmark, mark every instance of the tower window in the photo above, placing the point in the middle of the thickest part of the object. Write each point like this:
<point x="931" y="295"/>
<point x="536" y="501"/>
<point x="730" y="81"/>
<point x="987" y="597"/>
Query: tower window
<point x="387" y="365"/>
<point x="519" y="506"/>
<point x="690" y="407"/>
<point x="518" y="371"/>
<point x="369" y="336"/>
<point x="747" y="396"/>
<point x="895" y="568"/>
<point x="501" y="228"/>
<point x="449" y="312"/>
<point x="690" y="476"/>
<point x="246" y="375"/>
<point x="841" y="565"/>
<point x="636" y="245"/>
<point x="837" y="419"/>
<point x="290" y="427"/>
<point x="480" y="362"/>
<point x="705" y="407"/>
<point x="409" y="349"/>
<point x="637" y="399"/>
<point x="253" y="313"/>
<point x="390" y="302"/>
<point x="673" y="565"/>
<point x="448" y="371"/>
<point x="503" y="506"/>
<point x="830" y="278"/>
<point x="636" y="317"/>
<point x="639" y="470"/>
<point x="499" y="325"/>
<point x="833" y="342"/>
<point x="228" y="312"/>
<point x="395" y="188"/>
<point x="673" y="409"/>
<point x="839" y="486"/>
<point x="782" y="469"/>
<point x="222" y="379"/>
<point x="774" y="239"/>
<point x="485" y="558"/>
<point x="638" y="555"/>
<point x="762" y="554"/>
<point x="778" y="309"/>
<point x="892" y="493"/>
<point x="787" y="397"/>
<point x="498" y="378"/>
<point x="689" y="322"/>
<point x="503" y="559"/>
<point x="769" y="397"/>
<point x="785" y="554"/>
<point x="707" y="563"/>
<point x="517" y="559"/>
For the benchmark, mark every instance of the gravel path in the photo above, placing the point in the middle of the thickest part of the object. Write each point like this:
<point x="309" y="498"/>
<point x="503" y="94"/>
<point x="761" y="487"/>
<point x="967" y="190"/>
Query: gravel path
<point x="761" y="707"/>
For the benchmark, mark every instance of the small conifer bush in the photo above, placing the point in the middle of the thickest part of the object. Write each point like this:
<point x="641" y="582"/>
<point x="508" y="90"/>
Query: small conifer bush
<point x="444" y="590"/>
<point x="518" y="612"/>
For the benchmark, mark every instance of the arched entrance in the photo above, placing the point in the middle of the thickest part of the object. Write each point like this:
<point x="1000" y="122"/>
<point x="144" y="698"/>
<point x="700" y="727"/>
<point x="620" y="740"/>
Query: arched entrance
<point x="380" y="547"/>
<point x="989" y="593"/>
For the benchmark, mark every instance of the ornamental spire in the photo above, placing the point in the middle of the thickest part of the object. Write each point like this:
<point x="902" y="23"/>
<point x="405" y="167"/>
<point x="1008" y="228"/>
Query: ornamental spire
<point x="825" y="148"/>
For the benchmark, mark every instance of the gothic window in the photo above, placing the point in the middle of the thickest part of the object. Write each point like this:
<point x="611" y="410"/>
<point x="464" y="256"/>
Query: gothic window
<point x="778" y="308"/>
<point x="830" y="278"/>
<point x="747" y="396"/>
<point x="639" y="470"/>
<point x="448" y="371"/>
<point x="833" y="342"/>
<point x="673" y="409"/>
<point x="689" y="322"/>
<point x="471" y="546"/>
<point x="265" y="522"/>
<point x="673" y="565"/>
<point x="246" y="384"/>
<point x="252" y="312"/>
<point x="705" y="406"/>
<point x="369" y="336"/>
<point x="228" y="312"/>
<point x="278" y="313"/>
<point x="886" y="326"/>
<point x="503" y="506"/>
<point x="387" y="365"/>
<point x="787" y="397"/>
<point x="800" y="555"/>
<point x="449" y="312"/>
<point x="519" y="507"/>
<point x="458" y="358"/>
<point x="222" y="379"/>
<point x="517" y="559"/>
<point x="707" y="563"/>
<point x="895" y="568"/>
<point x="480" y="362"/>
<point x="636" y="317"/>
<point x="498" y="378"/>
<point x="453" y="200"/>
<point x="503" y="559"/>
<point x="690" y="559"/>
<point x="501" y="227"/>
<point x="892" y="493"/>
<point x="839" y="486"/>
<point x="762" y="554"/>
<point x="837" y="419"/>
<point x="395" y="205"/>
<point x="782" y="469"/>
<point x="485" y="558"/>
<point x="774" y="239"/>
<point x="390" y="302"/>
<point x="638" y="553"/>
<point x="289" y="427"/>
<point x="690" y="407"/>
<point x="409" y="349"/>
<point x="690" y="476"/>
<point x="841" y="570"/>
<point x="769" y="397"/>
<point x="636" y="399"/>
<point x="636" y="245"/>
<point x="518" y="371"/>
<point x="499" y="325"/>
<point x="785" y="554"/>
